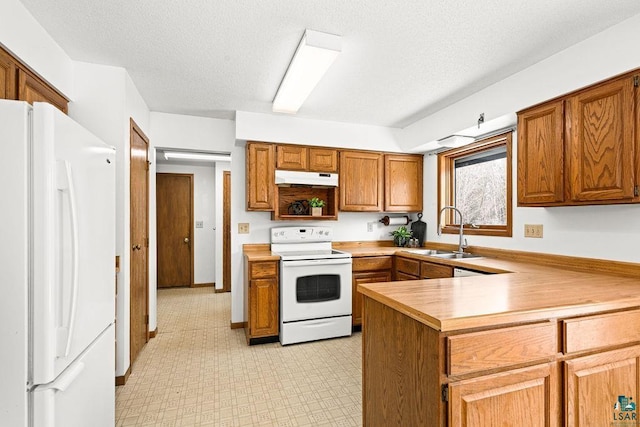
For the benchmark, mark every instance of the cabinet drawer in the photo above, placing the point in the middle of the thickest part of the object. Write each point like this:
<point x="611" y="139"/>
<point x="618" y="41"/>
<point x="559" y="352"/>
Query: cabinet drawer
<point x="258" y="270"/>
<point x="605" y="330"/>
<point x="480" y="351"/>
<point x="409" y="266"/>
<point x="435" y="271"/>
<point x="372" y="263"/>
<point x="402" y="276"/>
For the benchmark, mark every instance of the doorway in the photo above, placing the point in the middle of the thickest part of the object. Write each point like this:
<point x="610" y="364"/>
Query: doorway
<point x="226" y="229"/>
<point x="174" y="200"/>
<point x="139" y="239"/>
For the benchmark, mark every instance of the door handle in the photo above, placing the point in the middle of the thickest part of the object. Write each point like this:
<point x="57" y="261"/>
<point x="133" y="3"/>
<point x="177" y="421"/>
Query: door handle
<point x="186" y="240"/>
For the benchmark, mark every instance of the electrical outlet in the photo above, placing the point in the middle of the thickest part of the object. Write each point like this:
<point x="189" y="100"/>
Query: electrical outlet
<point x="369" y="227"/>
<point x="533" y="230"/>
<point x="243" y="228"/>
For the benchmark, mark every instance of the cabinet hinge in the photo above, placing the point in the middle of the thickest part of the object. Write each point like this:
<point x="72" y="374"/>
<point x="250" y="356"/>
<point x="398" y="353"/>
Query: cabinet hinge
<point x="445" y="392"/>
<point x="635" y="191"/>
<point x="636" y="81"/>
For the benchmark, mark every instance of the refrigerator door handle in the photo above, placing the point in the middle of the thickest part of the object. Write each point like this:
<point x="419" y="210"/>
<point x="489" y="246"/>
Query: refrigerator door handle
<point x="66" y="183"/>
<point x="65" y="379"/>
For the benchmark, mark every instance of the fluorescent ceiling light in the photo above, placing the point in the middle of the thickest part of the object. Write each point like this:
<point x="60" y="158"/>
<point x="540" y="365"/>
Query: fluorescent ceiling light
<point x="314" y="55"/>
<point x="205" y="157"/>
<point x="453" y="141"/>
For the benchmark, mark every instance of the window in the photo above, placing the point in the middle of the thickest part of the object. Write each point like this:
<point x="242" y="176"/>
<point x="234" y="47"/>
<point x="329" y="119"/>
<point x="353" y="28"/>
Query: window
<point x="476" y="179"/>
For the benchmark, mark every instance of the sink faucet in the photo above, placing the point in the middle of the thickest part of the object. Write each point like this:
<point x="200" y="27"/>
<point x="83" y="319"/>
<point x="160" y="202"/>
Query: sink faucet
<point x="463" y="242"/>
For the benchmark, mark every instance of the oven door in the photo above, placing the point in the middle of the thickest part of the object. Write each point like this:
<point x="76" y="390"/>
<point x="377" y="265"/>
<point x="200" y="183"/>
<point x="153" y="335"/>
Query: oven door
<point x="313" y="289"/>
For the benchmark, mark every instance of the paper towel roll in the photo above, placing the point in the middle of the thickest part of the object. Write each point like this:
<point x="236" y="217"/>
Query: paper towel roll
<point x="399" y="220"/>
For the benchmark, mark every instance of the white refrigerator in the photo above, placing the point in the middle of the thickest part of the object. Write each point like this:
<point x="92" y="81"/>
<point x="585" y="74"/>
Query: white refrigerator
<point x="57" y="252"/>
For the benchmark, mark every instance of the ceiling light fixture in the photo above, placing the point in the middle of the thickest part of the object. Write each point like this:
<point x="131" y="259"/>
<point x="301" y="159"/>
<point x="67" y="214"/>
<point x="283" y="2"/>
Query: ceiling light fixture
<point x="454" y="141"/>
<point x="204" y="157"/>
<point x="314" y="55"/>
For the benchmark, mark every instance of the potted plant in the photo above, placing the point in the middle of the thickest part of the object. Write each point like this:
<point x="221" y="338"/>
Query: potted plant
<point x="401" y="236"/>
<point x="316" y="206"/>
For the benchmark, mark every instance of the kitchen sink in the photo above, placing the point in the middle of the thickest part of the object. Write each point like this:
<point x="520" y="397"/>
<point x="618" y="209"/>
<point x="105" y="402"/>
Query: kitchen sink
<point x="430" y="252"/>
<point x="441" y="254"/>
<point x="455" y="255"/>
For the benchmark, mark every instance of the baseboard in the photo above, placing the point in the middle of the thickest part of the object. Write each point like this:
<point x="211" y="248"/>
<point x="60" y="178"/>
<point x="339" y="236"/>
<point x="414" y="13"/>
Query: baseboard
<point x="123" y="379"/>
<point x="238" y="325"/>
<point x="152" y="334"/>
<point x="221" y="291"/>
<point x="204" y="285"/>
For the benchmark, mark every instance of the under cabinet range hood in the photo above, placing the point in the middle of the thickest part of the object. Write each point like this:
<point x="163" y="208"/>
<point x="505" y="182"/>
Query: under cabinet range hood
<point x="324" y="179"/>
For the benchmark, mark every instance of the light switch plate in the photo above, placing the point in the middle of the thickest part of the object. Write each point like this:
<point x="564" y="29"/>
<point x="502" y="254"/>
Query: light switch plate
<point x="199" y="224"/>
<point x="533" y="230"/>
<point x="243" y="228"/>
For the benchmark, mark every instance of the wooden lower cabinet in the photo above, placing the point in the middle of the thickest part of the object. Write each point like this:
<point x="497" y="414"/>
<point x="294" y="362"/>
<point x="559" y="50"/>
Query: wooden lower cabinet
<point x="507" y="399"/>
<point x="262" y="303"/>
<point x="502" y="375"/>
<point x="367" y="270"/>
<point x="602" y="389"/>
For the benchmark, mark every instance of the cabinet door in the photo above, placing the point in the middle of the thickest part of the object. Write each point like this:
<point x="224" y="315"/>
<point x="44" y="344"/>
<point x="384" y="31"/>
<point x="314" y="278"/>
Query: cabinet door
<point x="323" y="160"/>
<point x="601" y="145"/>
<point x="602" y="389"/>
<point x="541" y="154"/>
<point x="430" y="270"/>
<point x="361" y="181"/>
<point x="32" y="89"/>
<point x="260" y="178"/>
<point x="520" y="397"/>
<point x="7" y="76"/>
<point x="291" y="157"/>
<point x="263" y="307"/>
<point x="403" y="183"/>
<point x="368" y="277"/>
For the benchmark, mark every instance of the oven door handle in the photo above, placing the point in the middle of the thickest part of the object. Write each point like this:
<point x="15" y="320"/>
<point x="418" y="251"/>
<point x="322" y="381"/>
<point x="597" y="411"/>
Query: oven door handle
<point x="330" y="261"/>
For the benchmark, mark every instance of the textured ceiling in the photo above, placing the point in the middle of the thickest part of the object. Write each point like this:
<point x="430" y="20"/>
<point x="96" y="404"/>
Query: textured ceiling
<point x="401" y="60"/>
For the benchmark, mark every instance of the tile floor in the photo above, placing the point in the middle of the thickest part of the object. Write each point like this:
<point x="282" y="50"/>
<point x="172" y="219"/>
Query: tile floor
<point x="198" y="371"/>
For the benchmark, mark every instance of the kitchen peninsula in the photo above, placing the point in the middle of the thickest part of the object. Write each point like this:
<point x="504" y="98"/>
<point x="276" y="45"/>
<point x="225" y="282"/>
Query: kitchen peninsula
<point x="539" y="346"/>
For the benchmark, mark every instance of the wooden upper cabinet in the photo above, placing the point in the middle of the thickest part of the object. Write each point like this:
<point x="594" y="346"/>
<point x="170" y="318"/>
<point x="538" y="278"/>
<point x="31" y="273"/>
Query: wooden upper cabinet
<point x="582" y="148"/>
<point x="361" y="181"/>
<point x="292" y="157"/>
<point x="32" y="89"/>
<point x="403" y="183"/>
<point x="601" y="141"/>
<point x="8" y="80"/>
<point x="541" y="154"/>
<point x="260" y="170"/>
<point x="303" y="158"/>
<point x="323" y="159"/>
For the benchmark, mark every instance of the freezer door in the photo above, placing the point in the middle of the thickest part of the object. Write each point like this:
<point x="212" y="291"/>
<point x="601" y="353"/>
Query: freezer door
<point x="73" y="269"/>
<point x="84" y="394"/>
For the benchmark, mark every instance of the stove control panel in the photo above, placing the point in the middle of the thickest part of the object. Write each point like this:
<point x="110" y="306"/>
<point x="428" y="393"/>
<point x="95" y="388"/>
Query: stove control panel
<point x="301" y="234"/>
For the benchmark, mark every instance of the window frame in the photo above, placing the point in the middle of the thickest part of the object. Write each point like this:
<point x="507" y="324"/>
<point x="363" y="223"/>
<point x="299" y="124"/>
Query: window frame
<point x="446" y="187"/>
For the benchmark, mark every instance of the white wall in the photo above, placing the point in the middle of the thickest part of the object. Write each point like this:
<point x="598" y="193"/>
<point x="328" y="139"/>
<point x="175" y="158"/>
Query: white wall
<point x="204" y="195"/>
<point x="613" y="51"/>
<point x="25" y="38"/>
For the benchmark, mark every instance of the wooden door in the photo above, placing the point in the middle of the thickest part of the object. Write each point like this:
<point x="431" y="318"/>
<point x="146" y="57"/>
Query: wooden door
<point x="7" y="76"/>
<point x="521" y="397"/>
<point x="263" y="307"/>
<point x="361" y="181"/>
<point x="32" y="89"/>
<point x="600" y="389"/>
<point x="139" y="232"/>
<point x="174" y="201"/>
<point x="403" y="183"/>
<point x="601" y="142"/>
<point x="226" y="232"/>
<point x="260" y="169"/>
<point x="541" y="154"/>
<point x="360" y="278"/>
